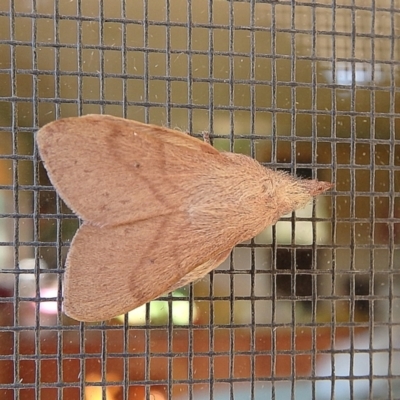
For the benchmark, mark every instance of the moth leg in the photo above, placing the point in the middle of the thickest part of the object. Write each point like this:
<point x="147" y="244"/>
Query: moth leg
<point x="206" y="137"/>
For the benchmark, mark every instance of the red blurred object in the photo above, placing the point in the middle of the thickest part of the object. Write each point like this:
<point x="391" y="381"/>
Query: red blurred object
<point x="60" y="359"/>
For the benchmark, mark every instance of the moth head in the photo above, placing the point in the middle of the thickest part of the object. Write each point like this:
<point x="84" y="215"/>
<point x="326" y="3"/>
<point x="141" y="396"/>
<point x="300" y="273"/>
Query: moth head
<point x="287" y="193"/>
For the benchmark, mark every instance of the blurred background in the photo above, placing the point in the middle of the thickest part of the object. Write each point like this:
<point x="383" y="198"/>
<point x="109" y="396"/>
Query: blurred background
<point x="308" y="309"/>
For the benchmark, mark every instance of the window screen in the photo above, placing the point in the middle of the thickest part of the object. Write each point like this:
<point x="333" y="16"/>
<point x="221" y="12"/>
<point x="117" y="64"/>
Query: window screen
<point x="309" y="308"/>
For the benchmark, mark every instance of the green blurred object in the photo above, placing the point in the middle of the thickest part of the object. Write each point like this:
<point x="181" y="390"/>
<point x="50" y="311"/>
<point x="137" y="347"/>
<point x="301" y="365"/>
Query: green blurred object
<point x="159" y="312"/>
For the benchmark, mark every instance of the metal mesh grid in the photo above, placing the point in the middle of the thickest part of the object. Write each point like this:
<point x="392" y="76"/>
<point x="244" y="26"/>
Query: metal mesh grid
<point x="309" y="308"/>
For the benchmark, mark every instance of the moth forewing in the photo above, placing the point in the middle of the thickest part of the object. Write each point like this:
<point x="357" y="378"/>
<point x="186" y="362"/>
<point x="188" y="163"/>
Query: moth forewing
<point x="111" y="270"/>
<point x="107" y="169"/>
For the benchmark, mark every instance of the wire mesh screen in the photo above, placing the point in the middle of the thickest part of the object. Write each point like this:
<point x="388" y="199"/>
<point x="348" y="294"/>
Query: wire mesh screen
<point x="309" y="308"/>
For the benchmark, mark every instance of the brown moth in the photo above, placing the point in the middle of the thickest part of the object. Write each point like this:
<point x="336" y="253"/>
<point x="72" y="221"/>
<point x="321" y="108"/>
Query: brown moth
<point x="160" y="208"/>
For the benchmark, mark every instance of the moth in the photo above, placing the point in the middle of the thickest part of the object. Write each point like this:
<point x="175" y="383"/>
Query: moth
<point x="160" y="208"/>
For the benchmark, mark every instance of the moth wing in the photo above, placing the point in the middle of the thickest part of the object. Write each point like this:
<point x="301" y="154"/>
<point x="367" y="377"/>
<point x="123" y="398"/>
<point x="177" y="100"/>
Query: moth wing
<point x="111" y="170"/>
<point x="113" y="269"/>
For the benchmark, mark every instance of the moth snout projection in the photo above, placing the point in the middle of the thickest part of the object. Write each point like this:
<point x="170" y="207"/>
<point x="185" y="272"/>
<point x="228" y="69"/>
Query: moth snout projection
<point x="160" y="208"/>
